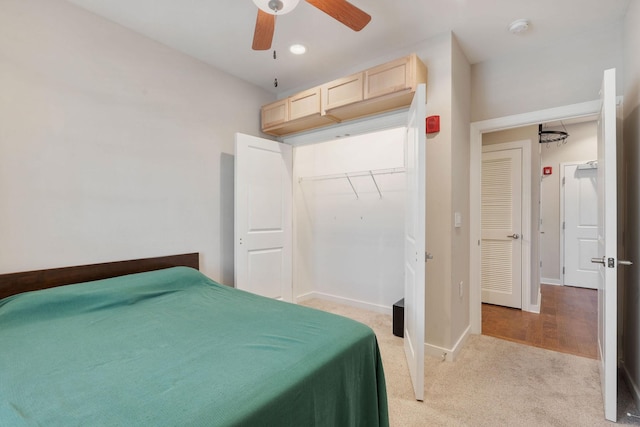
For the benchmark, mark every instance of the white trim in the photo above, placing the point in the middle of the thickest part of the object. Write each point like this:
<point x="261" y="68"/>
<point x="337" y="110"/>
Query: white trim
<point x="346" y="301"/>
<point x="451" y="354"/>
<point x="561" y="220"/>
<point x="535" y="308"/>
<point x="475" y="175"/>
<point x="547" y="281"/>
<point x="394" y="119"/>
<point x="562" y="203"/>
<point x="525" y="216"/>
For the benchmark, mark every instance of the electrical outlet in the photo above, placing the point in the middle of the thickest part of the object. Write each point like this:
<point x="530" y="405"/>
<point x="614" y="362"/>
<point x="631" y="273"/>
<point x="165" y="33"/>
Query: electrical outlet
<point x="460" y="289"/>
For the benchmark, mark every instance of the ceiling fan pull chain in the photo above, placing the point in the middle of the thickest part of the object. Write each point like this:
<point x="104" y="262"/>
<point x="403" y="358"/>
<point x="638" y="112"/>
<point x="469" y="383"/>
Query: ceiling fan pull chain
<point x="275" y="81"/>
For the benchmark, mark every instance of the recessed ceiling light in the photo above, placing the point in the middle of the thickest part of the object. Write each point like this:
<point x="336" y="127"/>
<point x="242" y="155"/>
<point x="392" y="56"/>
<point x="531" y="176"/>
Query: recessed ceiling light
<point x="519" y="26"/>
<point x="297" y="49"/>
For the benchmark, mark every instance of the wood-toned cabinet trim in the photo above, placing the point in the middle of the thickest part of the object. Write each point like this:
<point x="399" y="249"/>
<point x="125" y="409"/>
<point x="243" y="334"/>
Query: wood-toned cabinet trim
<point x="385" y="87"/>
<point x="302" y="111"/>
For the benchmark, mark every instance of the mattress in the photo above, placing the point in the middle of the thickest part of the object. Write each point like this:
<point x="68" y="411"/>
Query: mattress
<point x="172" y="347"/>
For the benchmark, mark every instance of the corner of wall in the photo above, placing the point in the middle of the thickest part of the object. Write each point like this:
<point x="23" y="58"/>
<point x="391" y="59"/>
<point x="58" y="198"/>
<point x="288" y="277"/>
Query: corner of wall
<point x="631" y="132"/>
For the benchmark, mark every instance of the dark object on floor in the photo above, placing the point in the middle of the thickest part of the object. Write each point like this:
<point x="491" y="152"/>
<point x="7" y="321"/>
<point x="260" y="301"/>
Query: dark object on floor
<point x="398" y="318"/>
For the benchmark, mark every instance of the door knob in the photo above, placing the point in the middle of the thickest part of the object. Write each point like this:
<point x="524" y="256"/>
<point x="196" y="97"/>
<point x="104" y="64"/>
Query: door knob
<point x="624" y="262"/>
<point x="514" y="236"/>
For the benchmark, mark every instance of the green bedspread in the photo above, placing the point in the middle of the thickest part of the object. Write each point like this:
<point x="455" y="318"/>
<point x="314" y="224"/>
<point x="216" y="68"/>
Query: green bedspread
<point x="174" y="348"/>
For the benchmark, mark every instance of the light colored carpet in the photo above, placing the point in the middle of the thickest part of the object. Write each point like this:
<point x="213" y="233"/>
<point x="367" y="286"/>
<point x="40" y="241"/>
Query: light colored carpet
<point x="492" y="383"/>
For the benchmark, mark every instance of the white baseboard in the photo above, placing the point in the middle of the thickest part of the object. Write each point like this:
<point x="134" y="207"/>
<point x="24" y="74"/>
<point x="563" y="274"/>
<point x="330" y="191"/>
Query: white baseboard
<point x="450" y="354"/>
<point x="631" y="385"/>
<point x="556" y="282"/>
<point x="347" y="301"/>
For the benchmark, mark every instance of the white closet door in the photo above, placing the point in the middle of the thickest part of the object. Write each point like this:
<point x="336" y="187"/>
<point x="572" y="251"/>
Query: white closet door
<point x="415" y="223"/>
<point x="580" y="201"/>
<point x="263" y="224"/>
<point x="501" y="227"/>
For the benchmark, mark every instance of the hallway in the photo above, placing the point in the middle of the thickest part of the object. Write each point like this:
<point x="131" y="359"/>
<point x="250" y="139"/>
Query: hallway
<point x="568" y="321"/>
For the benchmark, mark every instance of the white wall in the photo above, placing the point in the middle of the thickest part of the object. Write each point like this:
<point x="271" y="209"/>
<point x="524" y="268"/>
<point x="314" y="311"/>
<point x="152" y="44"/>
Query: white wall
<point x="439" y="228"/>
<point x="351" y="248"/>
<point x="631" y="293"/>
<point x="567" y="72"/>
<point x="460" y="154"/>
<point x="112" y="146"/>
<point x="581" y="146"/>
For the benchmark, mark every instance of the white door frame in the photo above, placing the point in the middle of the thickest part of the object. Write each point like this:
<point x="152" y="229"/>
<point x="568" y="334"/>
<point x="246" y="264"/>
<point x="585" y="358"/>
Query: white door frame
<point x="475" y="204"/>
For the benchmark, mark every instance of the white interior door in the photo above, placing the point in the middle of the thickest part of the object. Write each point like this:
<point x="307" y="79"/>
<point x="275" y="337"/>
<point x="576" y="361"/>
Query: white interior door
<point x="607" y="244"/>
<point x="414" y="252"/>
<point x="263" y="224"/>
<point x="580" y="222"/>
<point x="501" y="279"/>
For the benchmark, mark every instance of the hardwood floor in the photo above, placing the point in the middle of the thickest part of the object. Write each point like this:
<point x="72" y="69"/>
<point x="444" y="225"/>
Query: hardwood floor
<point x="568" y="321"/>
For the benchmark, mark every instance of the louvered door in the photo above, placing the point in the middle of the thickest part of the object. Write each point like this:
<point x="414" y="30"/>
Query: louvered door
<point x="502" y="226"/>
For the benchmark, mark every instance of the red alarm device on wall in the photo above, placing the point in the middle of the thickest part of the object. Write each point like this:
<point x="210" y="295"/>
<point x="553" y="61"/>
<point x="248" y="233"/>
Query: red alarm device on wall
<point x="433" y="124"/>
<point x="547" y="170"/>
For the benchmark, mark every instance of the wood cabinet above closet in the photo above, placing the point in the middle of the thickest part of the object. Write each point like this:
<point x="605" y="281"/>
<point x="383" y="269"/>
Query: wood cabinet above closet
<point x="294" y="114"/>
<point x="376" y="90"/>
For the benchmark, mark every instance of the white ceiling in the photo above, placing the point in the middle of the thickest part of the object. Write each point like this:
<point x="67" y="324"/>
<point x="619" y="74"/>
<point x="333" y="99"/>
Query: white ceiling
<point x="220" y="32"/>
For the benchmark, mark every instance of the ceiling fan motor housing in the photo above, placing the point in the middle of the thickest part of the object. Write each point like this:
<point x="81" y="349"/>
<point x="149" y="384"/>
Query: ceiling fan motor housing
<point x="275" y="5"/>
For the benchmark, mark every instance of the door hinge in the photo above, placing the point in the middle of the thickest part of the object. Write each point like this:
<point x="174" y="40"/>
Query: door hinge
<point x="563" y="180"/>
<point x="562" y="270"/>
<point x="427" y="256"/>
<point x="563" y="224"/>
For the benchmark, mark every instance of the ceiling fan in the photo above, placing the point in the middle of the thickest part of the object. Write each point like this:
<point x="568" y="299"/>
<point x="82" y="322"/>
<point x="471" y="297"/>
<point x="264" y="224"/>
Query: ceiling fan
<point x="341" y="10"/>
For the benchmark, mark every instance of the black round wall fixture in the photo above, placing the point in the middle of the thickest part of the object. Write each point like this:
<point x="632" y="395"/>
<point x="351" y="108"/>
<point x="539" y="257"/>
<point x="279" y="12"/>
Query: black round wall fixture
<point x="545" y="136"/>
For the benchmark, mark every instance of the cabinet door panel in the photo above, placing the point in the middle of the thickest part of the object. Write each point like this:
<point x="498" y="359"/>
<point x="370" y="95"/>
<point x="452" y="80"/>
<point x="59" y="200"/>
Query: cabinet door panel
<point x="274" y="114"/>
<point x="388" y="78"/>
<point x="304" y="104"/>
<point x="343" y="91"/>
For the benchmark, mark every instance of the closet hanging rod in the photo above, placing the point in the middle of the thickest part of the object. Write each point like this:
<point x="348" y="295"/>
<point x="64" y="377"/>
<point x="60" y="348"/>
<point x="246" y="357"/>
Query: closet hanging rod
<point x="369" y="173"/>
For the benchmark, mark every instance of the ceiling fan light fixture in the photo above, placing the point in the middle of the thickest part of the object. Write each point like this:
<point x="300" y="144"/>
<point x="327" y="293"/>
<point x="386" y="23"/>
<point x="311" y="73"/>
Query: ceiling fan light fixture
<point x="276" y="7"/>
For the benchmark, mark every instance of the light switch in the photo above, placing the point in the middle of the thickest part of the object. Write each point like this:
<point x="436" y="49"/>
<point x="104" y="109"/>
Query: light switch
<point x="457" y="219"/>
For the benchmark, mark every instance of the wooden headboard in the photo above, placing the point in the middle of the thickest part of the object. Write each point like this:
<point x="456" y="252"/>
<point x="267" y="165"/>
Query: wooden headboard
<point x="15" y="283"/>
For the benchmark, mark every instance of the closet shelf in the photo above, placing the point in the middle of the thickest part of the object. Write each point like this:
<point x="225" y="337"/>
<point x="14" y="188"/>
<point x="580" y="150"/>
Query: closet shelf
<point x="348" y="175"/>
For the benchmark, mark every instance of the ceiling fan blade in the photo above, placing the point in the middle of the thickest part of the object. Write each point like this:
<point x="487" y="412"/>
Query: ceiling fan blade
<point x="263" y="35"/>
<point x="343" y="11"/>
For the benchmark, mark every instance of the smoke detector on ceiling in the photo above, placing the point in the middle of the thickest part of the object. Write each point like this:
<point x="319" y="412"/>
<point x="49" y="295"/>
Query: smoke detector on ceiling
<point x="519" y="26"/>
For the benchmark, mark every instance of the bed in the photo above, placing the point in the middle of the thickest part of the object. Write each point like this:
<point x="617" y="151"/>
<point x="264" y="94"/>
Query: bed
<point x="171" y="347"/>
